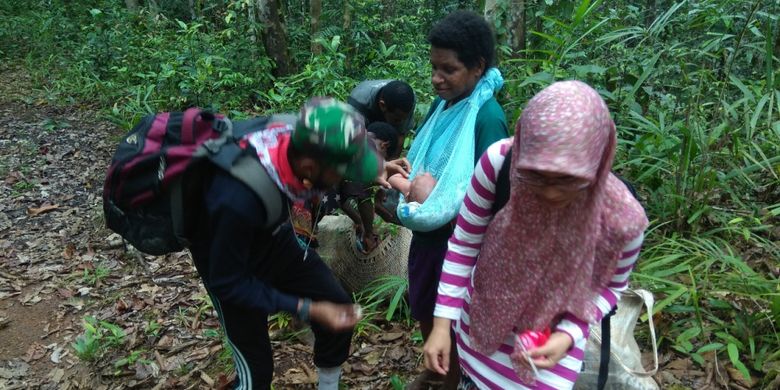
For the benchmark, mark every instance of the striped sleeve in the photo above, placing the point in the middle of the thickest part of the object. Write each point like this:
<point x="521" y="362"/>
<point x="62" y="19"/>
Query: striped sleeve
<point x="607" y="300"/>
<point x="466" y="241"/>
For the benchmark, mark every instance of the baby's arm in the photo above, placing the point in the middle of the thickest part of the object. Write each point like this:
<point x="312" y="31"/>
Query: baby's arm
<point x="400" y="183"/>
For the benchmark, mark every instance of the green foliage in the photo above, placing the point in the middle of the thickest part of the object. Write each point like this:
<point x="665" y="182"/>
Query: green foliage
<point x="280" y="320"/>
<point x="98" y="337"/>
<point x="225" y="357"/>
<point x="131" y="359"/>
<point x="95" y="276"/>
<point x="692" y="87"/>
<point x="51" y="125"/>
<point x="366" y="324"/>
<point x="397" y="383"/>
<point x="388" y="294"/>
<point x="21" y="187"/>
<point x="153" y="328"/>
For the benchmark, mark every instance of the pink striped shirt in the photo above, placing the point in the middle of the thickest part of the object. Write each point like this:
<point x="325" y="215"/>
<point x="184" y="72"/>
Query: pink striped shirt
<point x="456" y="285"/>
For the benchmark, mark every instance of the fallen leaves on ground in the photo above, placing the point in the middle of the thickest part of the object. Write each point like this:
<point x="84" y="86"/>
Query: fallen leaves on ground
<point x="55" y="253"/>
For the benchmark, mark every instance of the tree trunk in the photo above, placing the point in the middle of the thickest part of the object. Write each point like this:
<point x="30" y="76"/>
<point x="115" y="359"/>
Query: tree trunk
<point x="347" y="20"/>
<point x="253" y="22"/>
<point x="132" y="5"/>
<point x="274" y="36"/>
<point x="154" y="7"/>
<point x="650" y="12"/>
<point x="346" y="27"/>
<point x="389" y="14"/>
<point x="491" y="11"/>
<point x="315" y="11"/>
<point x="511" y="14"/>
<point x="516" y="25"/>
<point x="193" y="16"/>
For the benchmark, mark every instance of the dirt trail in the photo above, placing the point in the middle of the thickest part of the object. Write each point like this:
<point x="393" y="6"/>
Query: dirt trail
<point x="59" y="265"/>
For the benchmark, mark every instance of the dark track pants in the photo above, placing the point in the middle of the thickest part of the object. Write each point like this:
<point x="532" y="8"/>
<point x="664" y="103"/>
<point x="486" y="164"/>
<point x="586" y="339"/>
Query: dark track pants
<point x="247" y="331"/>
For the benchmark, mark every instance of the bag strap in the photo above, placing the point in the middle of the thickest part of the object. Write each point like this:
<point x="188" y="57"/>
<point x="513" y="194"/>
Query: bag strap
<point x="225" y="153"/>
<point x="606" y="330"/>
<point x="250" y="172"/>
<point x="648" y="301"/>
<point x="502" y="184"/>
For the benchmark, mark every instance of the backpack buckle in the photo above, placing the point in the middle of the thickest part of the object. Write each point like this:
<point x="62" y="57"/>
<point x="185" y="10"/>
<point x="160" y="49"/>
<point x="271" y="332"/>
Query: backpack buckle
<point x="222" y="126"/>
<point x="213" y="146"/>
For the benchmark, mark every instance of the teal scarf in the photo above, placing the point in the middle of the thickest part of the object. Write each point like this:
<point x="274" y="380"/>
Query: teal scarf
<point x="444" y="146"/>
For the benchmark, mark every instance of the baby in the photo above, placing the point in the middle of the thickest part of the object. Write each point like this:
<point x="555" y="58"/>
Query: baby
<point x="415" y="191"/>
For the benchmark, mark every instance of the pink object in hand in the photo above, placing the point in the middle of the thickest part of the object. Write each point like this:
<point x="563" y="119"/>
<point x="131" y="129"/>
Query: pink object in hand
<point x="532" y="339"/>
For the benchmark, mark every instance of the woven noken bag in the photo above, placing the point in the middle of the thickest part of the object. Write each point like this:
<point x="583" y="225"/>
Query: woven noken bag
<point x="355" y="270"/>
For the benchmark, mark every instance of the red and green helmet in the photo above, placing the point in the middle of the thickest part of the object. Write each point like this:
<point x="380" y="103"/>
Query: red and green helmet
<point x="339" y="132"/>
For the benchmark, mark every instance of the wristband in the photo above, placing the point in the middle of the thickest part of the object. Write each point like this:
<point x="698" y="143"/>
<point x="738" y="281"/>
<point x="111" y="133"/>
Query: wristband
<point x="303" y="312"/>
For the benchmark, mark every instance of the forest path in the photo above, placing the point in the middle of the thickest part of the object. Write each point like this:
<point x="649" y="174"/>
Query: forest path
<point x="59" y="265"/>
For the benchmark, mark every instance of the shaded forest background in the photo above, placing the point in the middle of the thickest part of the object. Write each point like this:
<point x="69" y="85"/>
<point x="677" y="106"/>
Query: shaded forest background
<point x="692" y="85"/>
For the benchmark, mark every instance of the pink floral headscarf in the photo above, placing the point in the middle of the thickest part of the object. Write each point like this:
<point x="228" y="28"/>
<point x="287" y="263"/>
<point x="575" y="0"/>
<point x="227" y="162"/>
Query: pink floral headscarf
<point x="538" y="262"/>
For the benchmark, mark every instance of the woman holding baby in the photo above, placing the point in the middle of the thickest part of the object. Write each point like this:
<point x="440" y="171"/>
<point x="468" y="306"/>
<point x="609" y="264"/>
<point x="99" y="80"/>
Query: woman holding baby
<point x="462" y="122"/>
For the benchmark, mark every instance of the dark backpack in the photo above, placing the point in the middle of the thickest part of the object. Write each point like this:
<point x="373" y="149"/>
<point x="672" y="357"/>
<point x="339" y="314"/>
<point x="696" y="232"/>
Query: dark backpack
<point x="501" y="197"/>
<point x="154" y="183"/>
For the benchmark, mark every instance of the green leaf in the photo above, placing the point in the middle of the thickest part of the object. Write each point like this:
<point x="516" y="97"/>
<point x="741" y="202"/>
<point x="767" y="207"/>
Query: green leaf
<point x="548" y="37"/>
<point x="698" y="359"/>
<point x="121" y="362"/>
<point x="728" y="338"/>
<point x="542" y="79"/>
<point x="689" y="333"/>
<point x="710" y="347"/>
<point x="95" y="12"/>
<point x="757" y="112"/>
<point x="648" y="70"/>
<point x="583" y="70"/>
<point x="399" y="294"/>
<point x="666" y="301"/>
<point x="741" y="86"/>
<point x="734" y="357"/>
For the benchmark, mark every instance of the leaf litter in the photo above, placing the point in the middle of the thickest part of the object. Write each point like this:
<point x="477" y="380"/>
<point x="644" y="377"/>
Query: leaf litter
<point x="59" y="265"/>
<point x="56" y="255"/>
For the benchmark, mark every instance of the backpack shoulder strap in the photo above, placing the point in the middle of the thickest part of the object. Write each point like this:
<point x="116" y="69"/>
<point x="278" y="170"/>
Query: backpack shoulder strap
<point x="502" y="184"/>
<point x="248" y="169"/>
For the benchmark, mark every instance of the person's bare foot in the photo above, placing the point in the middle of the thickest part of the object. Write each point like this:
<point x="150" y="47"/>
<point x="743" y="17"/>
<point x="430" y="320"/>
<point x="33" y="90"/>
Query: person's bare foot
<point x="370" y="242"/>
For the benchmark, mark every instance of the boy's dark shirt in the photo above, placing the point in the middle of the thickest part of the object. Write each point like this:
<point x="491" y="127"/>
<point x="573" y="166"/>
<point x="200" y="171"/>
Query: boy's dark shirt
<point x="234" y="254"/>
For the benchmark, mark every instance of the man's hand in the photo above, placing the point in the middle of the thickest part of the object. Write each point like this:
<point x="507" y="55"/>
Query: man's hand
<point x="437" y="349"/>
<point x="401" y="166"/>
<point x="549" y="354"/>
<point x="336" y="317"/>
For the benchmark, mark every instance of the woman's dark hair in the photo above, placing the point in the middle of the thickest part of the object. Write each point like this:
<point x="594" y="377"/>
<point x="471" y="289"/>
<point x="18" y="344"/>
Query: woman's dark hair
<point x="468" y="35"/>
<point x="385" y="132"/>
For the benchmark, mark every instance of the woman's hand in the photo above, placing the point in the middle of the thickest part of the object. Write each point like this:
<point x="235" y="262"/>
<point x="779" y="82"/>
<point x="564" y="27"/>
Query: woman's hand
<point x="400" y="166"/>
<point x="549" y="354"/>
<point x="437" y="349"/>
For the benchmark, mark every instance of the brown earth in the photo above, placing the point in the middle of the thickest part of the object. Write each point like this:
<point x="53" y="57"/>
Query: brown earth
<point x="60" y="268"/>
